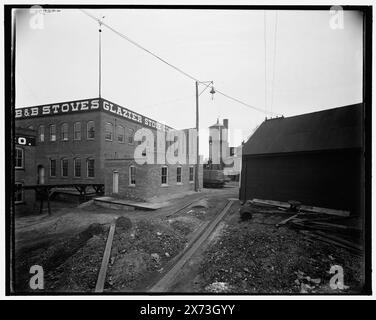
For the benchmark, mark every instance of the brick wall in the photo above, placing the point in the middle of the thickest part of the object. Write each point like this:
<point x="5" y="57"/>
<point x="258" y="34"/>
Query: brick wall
<point x="100" y="150"/>
<point x="27" y="175"/>
<point x="148" y="180"/>
<point x="70" y="149"/>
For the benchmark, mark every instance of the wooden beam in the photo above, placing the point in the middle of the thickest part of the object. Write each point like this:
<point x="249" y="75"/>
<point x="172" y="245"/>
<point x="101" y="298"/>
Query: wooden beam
<point x="48" y="202"/>
<point x="286" y="220"/>
<point x="272" y="203"/>
<point x="106" y="256"/>
<point x="341" y="213"/>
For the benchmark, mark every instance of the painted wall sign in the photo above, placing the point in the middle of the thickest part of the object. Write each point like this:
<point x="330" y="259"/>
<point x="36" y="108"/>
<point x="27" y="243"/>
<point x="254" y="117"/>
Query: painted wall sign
<point x="24" y="140"/>
<point x="133" y="116"/>
<point x="87" y="106"/>
<point x="58" y="108"/>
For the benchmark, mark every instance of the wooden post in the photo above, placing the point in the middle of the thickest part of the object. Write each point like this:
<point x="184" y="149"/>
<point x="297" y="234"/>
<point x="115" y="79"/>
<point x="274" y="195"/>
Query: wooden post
<point x="48" y="201"/>
<point x="198" y="138"/>
<point x="41" y="205"/>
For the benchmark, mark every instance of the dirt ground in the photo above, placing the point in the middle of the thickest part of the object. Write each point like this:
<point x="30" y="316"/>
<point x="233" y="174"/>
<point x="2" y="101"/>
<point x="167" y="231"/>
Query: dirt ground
<point x="69" y="245"/>
<point x="241" y="256"/>
<point x="255" y="257"/>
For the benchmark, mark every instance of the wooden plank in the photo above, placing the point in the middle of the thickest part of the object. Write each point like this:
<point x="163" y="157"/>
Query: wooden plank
<point x="333" y="242"/>
<point x="163" y="284"/>
<point x="339" y="239"/>
<point x="341" y="213"/>
<point x="272" y="203"/>
<point x="106" y="256"/>
<point x="286" y="220"/>
<point x="333" y="225"/>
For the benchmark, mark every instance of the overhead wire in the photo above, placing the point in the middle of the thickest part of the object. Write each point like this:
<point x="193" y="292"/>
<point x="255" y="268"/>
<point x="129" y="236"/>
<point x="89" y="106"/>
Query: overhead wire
<point x="265" y="82"/>
<point x="171" y="65"/>
<point x="274" y="59"/>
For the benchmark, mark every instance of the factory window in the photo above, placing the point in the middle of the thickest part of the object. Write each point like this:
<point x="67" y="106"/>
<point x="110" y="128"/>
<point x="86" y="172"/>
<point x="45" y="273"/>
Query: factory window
<point x="77" y="131"/>
<point x="109" y="131"/>
<point x="19" y="158"/>
<point x="77" y="167"/>
<point x="41" y="133"/>
<point x="64" y="168"/>
<point x="130" y="136"/>
<point x="90" y="130"/>
<point x="90" y="168"/>
<point x="18" y="193"/>
<point x="132" y="175"/>
<point x="52" y="168"/>
<point x="191" y="171"/>
<point x="164" y="175"/>
<point x="64" y="132"/>
<point x="178" y="175"/>
<point x="52" y="132"/>
<point x="121" y="134"/>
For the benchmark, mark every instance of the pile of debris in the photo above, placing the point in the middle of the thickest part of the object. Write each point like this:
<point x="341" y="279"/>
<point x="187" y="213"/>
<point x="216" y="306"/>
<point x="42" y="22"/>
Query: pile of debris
<point x="261" y="256"/>
<point x="140" y="252"/>
<point x="334" y="227"/>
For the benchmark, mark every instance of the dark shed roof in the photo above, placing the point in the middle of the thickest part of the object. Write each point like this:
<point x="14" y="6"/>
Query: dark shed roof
<point x="337" y="128"/>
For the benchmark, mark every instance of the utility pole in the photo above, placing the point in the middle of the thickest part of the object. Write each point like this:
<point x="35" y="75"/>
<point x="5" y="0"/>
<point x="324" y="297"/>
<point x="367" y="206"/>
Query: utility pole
<point x="197" y="186"/>
<point x="207" y="83"/>
<point x="100" y="58"/>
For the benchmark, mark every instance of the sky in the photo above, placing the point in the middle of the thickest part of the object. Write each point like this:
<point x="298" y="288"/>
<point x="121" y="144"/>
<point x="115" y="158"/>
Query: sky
<point x="286" y="62"/>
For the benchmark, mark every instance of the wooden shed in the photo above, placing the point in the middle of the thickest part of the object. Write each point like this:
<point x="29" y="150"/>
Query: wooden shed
<point x="315" y="158"/>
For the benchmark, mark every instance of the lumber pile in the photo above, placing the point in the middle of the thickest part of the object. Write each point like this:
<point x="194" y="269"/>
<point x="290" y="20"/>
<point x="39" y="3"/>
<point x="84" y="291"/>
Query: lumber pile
<point x="303" y="208"/>
<point x="334" y="227"/>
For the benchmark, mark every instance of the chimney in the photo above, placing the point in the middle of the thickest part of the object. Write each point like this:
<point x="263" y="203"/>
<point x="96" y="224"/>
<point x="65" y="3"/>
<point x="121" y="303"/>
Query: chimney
<point x="225" y="123"/>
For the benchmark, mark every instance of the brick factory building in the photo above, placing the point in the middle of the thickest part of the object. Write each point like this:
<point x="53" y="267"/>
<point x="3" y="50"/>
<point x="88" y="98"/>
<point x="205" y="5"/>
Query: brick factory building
<point x="25" y="172"/>
<point x="86" y="141"/>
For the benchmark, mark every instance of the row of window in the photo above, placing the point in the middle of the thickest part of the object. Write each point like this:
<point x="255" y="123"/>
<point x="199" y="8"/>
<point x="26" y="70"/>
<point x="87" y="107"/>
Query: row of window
<point x="90" y="132"/>
<point x="77" y="168"/>
<point x="164" y="175"/>
<point x="120" y="133"/>
<point x="64" y="131"/>
<point x="64" y="165"/>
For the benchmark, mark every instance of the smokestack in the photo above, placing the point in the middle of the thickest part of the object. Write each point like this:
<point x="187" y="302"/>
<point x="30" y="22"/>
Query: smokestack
<point x="225" y="123"/>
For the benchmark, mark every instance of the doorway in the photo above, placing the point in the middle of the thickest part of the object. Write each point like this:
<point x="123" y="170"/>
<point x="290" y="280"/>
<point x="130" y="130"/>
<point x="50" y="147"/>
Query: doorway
<point x="115" y="182"/>
<point x="41" y="174"/>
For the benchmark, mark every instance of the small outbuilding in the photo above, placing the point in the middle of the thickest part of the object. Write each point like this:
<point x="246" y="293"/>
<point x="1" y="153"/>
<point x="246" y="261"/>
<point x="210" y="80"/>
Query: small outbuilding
<point x="315" y="158"/>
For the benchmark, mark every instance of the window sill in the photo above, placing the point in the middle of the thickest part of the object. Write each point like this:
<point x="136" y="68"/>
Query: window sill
<point x="132" y="185"/>
<point x="163" y="185"/>
<point x="179" y="183"/>
<point x="19" y="202"/>
<point x="19" y="168"/>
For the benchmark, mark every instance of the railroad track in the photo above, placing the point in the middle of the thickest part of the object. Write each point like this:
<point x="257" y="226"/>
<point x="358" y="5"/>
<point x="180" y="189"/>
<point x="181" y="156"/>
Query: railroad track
<point x="202" y="234"/>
